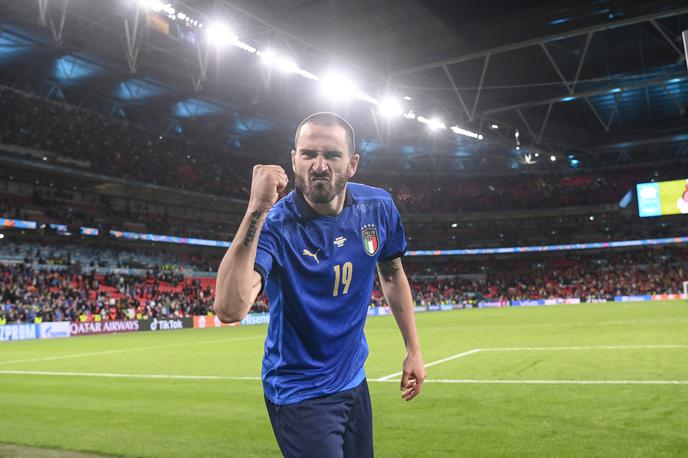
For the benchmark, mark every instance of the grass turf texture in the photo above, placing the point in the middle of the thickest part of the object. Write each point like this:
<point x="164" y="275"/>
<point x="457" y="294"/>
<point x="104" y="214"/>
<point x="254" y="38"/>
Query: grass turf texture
<point x="220" y="417"/>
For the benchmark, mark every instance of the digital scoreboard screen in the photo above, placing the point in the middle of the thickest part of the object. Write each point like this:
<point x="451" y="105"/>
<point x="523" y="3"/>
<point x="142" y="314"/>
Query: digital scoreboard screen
<point x="663" y="198"/>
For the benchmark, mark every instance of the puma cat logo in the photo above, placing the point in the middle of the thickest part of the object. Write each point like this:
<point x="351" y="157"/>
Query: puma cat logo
<point x="314" y="256"/>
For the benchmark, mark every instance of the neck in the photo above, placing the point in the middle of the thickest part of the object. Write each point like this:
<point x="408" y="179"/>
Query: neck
<point x="331" y="208"/>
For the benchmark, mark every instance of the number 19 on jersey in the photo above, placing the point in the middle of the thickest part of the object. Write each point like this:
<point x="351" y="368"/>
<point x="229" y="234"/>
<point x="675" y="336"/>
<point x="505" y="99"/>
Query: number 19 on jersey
<point x="342" y="276"/>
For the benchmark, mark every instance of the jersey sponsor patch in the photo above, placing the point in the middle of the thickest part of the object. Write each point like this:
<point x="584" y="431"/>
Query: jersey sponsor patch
<point x="371" y="242"/>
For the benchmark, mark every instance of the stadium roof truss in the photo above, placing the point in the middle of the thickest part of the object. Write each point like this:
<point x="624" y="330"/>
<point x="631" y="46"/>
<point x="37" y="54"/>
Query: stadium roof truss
<point x="613" y="96"/>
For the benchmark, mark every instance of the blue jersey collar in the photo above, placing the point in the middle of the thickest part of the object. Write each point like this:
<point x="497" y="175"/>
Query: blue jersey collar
<point x="307" y="212"/>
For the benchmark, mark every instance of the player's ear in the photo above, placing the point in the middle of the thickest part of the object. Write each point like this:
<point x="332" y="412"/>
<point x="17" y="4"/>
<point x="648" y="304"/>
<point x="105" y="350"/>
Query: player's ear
<point x="293" y="159"/>
<point x="353" y="165"/>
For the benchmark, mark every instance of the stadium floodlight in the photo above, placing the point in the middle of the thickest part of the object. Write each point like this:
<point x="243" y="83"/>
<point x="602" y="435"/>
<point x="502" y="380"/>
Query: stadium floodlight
<point x="390" y="107"/>
<point x="157" y="6"/>
<point x="268" y="57"/>
<point x="337" y="86"/>
<point x="436" y="123"/>
<point x="366" y="98"/>
<point x="410" y="115"/>
<point x="433" y="124"/>
<point x="494" y="126"/>
<point x="283" y="64"/>
<point x="245" y="46"/>
<point x="286" y="65"/>
<point x="455" y="225"/>
<point x="552" y="158"/>
<point x="2" y="236"/>
<point x="220" y="35"/>
<point x="309" y="75"/>
<point x="467" y="133"/>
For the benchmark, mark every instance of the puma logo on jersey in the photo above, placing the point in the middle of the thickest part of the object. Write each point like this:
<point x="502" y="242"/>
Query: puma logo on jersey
<point x="314" y="256"/>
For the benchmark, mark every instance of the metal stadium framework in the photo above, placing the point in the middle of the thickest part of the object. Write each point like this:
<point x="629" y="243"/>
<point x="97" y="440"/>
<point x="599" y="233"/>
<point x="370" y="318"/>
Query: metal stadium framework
<point x="590" y="85"/>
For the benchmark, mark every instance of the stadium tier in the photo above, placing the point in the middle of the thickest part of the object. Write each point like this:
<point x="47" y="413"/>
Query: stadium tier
<point x="55" y="283"/>
<point x="54" y="132"/>
<point x="553" y="207"/>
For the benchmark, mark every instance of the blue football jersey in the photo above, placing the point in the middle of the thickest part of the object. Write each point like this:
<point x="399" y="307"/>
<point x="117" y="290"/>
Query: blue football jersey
<point x="318" y="272"/>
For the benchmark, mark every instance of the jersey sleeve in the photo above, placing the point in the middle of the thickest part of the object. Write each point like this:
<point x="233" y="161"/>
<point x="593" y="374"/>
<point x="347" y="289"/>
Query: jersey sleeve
<point x="395" y="240"/>
<point x="266" y="254"/>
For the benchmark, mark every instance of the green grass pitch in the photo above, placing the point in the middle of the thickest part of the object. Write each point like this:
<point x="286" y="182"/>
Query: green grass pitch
<point x="575" y="380"/>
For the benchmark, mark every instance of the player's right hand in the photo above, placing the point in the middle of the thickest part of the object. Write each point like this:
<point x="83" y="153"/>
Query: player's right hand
<point x="266" y="184"/>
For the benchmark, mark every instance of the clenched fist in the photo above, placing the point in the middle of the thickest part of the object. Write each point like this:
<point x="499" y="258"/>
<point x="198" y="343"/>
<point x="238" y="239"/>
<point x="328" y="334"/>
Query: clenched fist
<point x="267" y="182"/>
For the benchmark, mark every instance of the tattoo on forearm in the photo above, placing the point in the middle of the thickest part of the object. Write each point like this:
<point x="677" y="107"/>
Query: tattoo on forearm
<point x="252" y="227"/>
<point x="388" y="269"/>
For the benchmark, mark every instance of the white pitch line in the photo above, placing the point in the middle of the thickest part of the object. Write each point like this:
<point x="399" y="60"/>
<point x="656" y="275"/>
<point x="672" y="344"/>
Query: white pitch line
<point x="434" y="363"/>
<point x="591" y="347"/>
<point x="115" y="375"/>
<point x="123" y="350"/>
<point x="549" y="325"/>
<point x="253" y="379"/>
<point x="554" y="382"/>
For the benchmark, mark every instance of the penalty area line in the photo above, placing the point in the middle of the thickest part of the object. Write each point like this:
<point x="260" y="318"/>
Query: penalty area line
<point x="433" y="363"/>
<point x="506" y="349"/>
<point x="553" y="382"/>
<point x="590" y="347"/>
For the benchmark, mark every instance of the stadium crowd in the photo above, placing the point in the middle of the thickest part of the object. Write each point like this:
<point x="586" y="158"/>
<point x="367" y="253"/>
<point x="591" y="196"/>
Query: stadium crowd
<point x="513" y="193"/>
<point x="56" y="205"/>
<point x="115" y="147"/>
<point x="53" y="205"/>
<point x="82" y="283"/>
<point x="31" y="295"/>
<point x="82" y="256"/>
<point x="588" y="276"/>
<point x="202" y="160"/>
<point x="31" y="291"/>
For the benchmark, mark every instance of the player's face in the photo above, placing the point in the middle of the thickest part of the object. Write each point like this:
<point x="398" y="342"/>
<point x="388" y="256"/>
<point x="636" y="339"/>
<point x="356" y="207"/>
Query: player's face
<point x="322" y="162"/>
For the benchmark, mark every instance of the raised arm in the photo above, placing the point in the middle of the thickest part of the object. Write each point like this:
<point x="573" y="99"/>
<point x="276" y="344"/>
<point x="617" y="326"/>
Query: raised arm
<point x="238" y="284"/>
<point x="397" y="291"/>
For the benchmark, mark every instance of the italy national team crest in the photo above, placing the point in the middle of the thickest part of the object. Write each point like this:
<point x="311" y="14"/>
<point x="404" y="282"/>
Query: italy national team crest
<point x="371" y="242"/>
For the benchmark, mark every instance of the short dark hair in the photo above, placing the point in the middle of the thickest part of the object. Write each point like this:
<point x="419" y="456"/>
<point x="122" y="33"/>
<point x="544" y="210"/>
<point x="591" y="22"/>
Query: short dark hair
<point x="326" y="118"/>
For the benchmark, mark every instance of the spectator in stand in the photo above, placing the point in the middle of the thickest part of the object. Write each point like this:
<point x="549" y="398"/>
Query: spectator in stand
<point x="114" y="147"/>
<point x="194" y="162"/>
<point x="75" y="295"/>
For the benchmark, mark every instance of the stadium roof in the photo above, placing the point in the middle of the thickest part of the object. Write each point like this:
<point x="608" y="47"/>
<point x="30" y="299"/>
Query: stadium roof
<point x="591" y="83"/>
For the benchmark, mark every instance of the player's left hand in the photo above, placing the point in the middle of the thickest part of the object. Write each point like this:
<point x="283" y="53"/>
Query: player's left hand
<point x="412" y="376"/>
